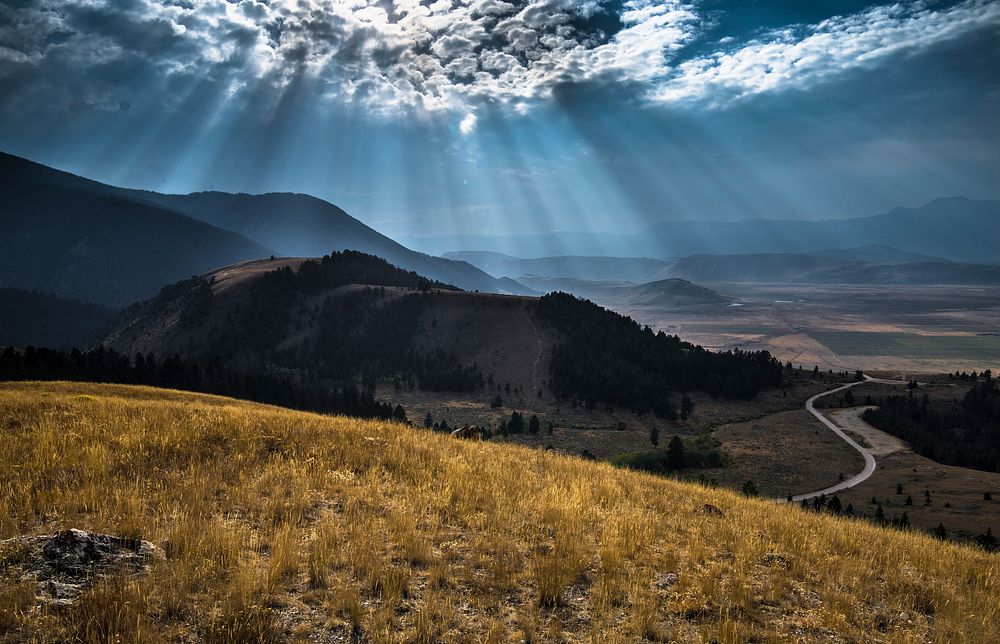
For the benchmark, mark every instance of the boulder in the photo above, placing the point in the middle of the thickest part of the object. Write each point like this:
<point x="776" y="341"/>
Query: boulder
<point x="68" y="562"/>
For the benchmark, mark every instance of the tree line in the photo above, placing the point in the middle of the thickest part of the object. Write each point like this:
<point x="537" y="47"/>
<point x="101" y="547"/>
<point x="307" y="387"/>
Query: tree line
<point x="607" y="357"/>
<point x="702" y="451"/>
<point x="964" y="433"/>
<point x="211" y="376"/>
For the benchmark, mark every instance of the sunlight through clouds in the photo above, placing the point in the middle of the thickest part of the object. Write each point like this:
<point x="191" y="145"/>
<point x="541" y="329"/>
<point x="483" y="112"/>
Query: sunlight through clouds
<point x="408" y="56"/>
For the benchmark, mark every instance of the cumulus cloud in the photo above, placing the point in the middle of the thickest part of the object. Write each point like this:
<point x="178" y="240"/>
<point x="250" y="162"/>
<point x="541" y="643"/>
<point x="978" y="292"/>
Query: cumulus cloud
<point x="402" y="56"/>
<point x="800" y="57"/>
<point x="467" y="125"/>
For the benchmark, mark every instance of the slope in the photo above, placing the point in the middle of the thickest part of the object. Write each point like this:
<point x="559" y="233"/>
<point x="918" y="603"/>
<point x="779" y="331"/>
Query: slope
<point x="75" y="238"/>
<point x="351" y="316"/>
<point x="670" y="294"/>
<point x="302" y="225"/>
<point x="278" y="524"/>
<point x="286" y="224"/>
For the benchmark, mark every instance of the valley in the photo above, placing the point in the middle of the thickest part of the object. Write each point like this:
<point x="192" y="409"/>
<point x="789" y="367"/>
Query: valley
<point x="527" y="321"/>
<point x="893" y="328"/>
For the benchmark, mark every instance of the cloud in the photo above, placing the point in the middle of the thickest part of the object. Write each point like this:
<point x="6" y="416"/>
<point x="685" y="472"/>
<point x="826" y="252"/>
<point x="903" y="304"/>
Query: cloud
<point x="467" y="125"/>
<point x="805" y="56"/>
<point x="397" y="57"/>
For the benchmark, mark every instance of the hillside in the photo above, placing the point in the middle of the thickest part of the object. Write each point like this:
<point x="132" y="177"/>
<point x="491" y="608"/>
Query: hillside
<point x="59" y="227"/>
<point x="877" y="254"/>
<point x="669" y="294"/>
<point x="44" y="320"/>
<point x="76" y="239"/>
<point x="305" y="226"/>
<point x="278" y="525"/>
<point x="351" y="315"/>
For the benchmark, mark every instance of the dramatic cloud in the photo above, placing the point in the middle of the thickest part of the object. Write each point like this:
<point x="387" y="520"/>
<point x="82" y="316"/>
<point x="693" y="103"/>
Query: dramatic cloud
<point x="468" y="124"/>
<point x="797" y="57"/>
<point x="404" y="56"/>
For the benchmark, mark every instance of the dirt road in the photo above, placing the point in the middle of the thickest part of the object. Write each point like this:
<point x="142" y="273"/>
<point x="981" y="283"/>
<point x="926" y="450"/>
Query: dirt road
<point x="880" y="442"/>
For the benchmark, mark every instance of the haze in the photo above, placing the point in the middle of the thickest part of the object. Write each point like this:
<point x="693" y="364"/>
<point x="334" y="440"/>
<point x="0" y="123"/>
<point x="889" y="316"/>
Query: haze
<point x="452" y="118"/>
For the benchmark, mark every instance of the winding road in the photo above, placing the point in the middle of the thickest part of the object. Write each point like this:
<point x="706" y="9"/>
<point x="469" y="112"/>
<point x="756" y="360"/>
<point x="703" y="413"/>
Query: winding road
<point x="869" y="468"/>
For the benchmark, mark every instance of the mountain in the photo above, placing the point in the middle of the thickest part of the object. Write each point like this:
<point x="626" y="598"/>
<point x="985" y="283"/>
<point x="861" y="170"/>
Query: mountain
<point x="955" y="228"/>
<point x="77" y="238"/>
<point x="877" y="254"/>
<point x="351" y="315"/>
<point x="31" y="318"/>
<point x="762" y="267"/>
<point x="69" y="225"/>
<point x="669" y="293"/>
<point x="632" y="269"/>
<point x="298" y="225"/>
<point x="602" y="278"/>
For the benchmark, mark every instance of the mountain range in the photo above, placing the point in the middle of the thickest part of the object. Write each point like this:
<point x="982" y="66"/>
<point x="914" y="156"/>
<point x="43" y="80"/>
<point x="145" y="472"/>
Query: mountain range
<point x="873" y="264"/>
<point x="955" y="228"/>
<point x="82" y="239"/>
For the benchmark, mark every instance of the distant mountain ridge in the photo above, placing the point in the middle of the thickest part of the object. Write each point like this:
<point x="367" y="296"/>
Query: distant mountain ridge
<point x="82" y="239"/>
<point x="875" y="264"/>
<point x="298" y="225"/>
<point x="632" y="269"/>
<point x="955" y="228"/>
<point x="670" y="293"/>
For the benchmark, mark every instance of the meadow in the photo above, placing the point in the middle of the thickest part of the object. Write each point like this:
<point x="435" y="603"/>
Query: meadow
<point x="286" y="526"/>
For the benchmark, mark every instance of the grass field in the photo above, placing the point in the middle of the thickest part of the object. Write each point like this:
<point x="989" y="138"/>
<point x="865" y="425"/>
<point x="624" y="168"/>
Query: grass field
<point x="281" y="525"/>
<point x="932" y="328"/>
<point x="985" y="348"/>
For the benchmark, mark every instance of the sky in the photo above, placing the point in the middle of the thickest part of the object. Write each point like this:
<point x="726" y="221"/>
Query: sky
<point x="499" y="117"/>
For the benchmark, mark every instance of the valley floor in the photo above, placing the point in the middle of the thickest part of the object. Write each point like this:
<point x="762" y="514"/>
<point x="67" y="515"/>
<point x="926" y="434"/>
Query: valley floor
<point x="279" y="525"/>
<point x="840" y="326"/>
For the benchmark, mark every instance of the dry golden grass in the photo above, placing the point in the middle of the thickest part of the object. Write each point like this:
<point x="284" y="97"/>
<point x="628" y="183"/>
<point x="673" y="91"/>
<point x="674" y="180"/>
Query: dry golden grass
<point x="280" y="525"/>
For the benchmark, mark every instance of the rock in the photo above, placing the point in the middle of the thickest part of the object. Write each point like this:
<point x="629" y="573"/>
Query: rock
<point x="666" y="580"/>
<point x="712" y="511"/>
<point x="68" y="562"/>
<point x="904" y="617"/>
<point x="777" y="559"/>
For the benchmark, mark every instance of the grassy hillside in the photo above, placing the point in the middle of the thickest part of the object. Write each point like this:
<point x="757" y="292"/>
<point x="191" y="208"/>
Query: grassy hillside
<point x="285" y="525"/>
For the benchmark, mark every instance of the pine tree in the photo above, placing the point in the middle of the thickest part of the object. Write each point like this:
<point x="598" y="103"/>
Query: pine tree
<point x="675" y="454"/>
